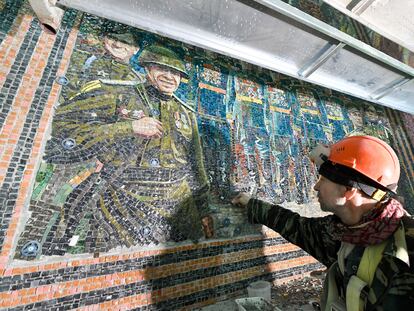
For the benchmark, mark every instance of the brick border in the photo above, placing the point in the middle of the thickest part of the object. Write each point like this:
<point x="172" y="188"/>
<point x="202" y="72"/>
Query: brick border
<point x="34" y="101"/>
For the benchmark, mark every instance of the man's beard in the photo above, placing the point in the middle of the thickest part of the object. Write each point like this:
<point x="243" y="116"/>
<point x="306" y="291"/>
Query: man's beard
<point x="325" y="208"/>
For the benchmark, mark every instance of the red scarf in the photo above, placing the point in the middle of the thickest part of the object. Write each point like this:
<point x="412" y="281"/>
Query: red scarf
<point x="376" y="226"/>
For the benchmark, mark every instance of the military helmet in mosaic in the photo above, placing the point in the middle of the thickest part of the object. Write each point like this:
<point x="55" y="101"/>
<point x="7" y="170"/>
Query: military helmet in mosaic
<point x="127" y="38"/>
<point x="156" y="54"/>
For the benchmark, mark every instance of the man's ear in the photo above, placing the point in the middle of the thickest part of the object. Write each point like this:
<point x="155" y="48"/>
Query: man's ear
<point x="350" y="193"/>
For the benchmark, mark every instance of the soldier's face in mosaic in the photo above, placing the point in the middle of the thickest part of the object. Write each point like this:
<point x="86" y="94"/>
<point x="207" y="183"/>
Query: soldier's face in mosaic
<point x="371" y="114"/>
<point x="356" y="117"/>
<point x="119" y="50"/>
<point x="165" y="79"/>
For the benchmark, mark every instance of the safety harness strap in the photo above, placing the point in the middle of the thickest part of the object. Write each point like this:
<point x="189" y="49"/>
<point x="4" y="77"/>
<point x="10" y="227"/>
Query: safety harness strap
<point x="366" y="271"/>
<point x="364" y="277"/>
<point x="330" y="293"/>
<point x="358" y="288"/>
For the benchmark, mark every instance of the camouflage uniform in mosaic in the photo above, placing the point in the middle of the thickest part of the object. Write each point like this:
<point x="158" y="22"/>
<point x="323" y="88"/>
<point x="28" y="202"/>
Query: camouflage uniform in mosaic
<point x="111" y="187"/>
<point x="101" y="67"/>
<point x="93" y="60"/>
<point x="393" y="284"/>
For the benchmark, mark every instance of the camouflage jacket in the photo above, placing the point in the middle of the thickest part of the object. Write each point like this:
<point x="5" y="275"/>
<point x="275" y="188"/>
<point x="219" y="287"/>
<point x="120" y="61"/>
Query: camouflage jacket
<point x="393" y="284"/>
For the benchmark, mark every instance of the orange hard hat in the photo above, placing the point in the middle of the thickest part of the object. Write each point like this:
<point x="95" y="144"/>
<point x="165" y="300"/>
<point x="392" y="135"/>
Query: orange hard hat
<point x="369" y="156"/>
<point x="364" y="162"/>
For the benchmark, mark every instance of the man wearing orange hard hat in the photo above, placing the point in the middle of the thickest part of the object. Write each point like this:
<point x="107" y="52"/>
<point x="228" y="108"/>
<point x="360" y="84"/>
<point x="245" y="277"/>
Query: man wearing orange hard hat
<point x="368" y="242"/>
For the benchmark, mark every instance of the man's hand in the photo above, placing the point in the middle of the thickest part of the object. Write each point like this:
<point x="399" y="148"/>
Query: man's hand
<point x="241" y="199"/>
<point x="147" y="127"/>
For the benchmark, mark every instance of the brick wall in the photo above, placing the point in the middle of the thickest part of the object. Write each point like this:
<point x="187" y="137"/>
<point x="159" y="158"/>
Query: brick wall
<point x="168" y="275"/>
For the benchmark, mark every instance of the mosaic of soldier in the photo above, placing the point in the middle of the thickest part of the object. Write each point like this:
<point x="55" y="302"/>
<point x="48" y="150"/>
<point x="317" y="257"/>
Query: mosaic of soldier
<point x="137" y="175"/>
<point x="101" y="57"/>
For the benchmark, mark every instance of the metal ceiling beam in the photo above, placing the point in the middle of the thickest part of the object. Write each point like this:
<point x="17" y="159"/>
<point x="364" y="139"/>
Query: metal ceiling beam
<point x="319" y="59"/>
<point x="388" y="89"/>
<point x="310" y="21"/>
<point x="359" y="6"/>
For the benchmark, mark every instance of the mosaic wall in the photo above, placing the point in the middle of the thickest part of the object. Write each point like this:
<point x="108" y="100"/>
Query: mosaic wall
<point x="100" y="212"/>
<point x="151" y="138"/>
